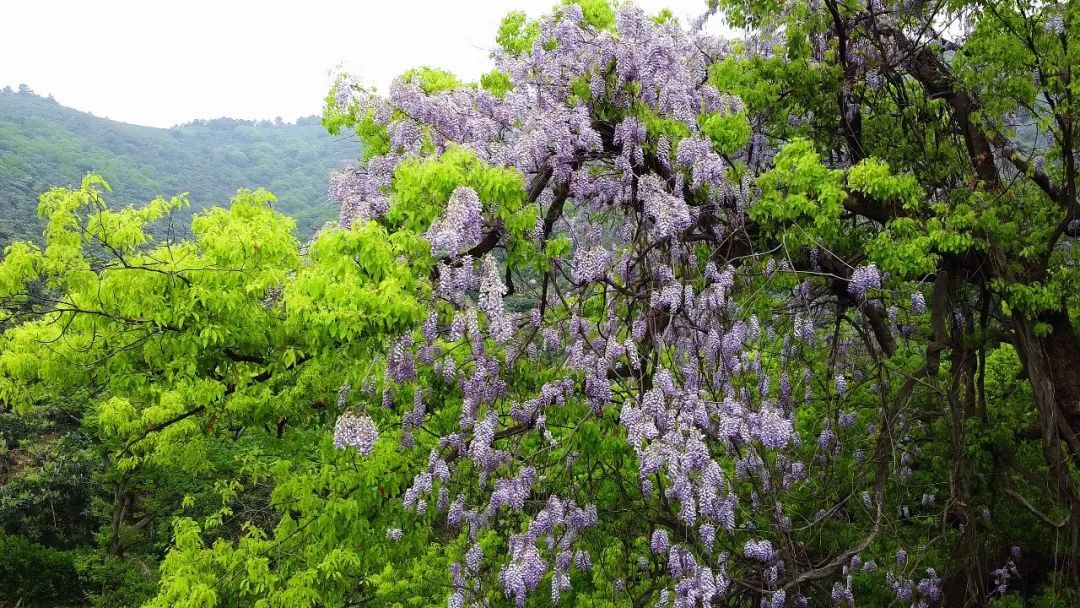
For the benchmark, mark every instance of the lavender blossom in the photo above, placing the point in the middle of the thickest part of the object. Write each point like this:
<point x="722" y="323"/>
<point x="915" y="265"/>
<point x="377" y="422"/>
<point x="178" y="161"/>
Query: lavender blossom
<point x="759" y="550"/>
<point x="356" y="431"/>
<point x="460" y="226"/>
<point x="864" y="279"/>
<point x="918" y="303"/>
<point x="669" y="214"/>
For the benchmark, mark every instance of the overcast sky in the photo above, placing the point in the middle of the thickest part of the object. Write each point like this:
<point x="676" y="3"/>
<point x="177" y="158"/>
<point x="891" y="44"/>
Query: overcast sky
<point x="161" y="63"/>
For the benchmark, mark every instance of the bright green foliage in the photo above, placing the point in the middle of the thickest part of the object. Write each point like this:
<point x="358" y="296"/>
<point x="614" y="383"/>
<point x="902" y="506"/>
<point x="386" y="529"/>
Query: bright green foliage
<point x="351" y="115"/>
<point x="433" y="80"/>
<point x="903" y="249"/>
<point x="947" y="157"/>
<point x="374" y="136"/>
<point x="496" y="82"/>
<point x="516" y="33"/>
<point x="597" y="13"/>
<point x="729" y="132"/>
<point x="315" y="552"/>
<point x="873" y="178"/>
<point x="421" y="189"/>
<point x="802" y="196"/>
<point x="202" y="357"/>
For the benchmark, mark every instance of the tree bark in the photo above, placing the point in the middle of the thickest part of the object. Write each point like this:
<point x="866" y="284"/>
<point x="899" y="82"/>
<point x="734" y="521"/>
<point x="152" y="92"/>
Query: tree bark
<point x="1052" y="364"/>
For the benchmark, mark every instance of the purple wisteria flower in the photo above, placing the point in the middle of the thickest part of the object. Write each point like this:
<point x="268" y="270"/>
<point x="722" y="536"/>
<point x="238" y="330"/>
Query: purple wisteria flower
<point x="918" y="303"/>
<point x="490" y="300"/>
<point x="343" y="395"/>
<point x="848" y="419"/>
<point x="930" y="586"/>
<point x="400" y="365"/>
<point x="864" y="278"/>
<point x="590" y="264"/>
<point x="1055" y="23"/>
<point x="660" y="543"/>
<point x="473" y="557"/>
<point x="355" y="431"/>
<point x="775" y="431"/>
<point x="759" y="550"/>
<point x="669" y="214"/>
<point x="461" y="225"/>
<point x="645" y="315"/>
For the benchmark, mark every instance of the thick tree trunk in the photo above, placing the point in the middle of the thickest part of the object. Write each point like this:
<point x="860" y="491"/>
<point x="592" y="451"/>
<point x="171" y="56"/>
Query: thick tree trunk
<point x="1052" y="364"/>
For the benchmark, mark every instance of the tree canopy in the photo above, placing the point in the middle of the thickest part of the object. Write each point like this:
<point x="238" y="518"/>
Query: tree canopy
<point x="645" y="317"/>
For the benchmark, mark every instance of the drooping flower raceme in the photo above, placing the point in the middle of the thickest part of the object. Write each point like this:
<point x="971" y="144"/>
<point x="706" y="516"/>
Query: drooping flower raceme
<point x="864" y="278"/>
<point x="355" y="431"/>
<point x="460" y="227"/>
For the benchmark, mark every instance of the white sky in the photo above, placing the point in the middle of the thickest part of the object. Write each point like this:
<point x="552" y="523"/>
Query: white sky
<point x="163" y="62"/>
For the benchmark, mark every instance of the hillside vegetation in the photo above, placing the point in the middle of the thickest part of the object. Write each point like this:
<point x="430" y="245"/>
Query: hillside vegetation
<point x="44" y="144"/>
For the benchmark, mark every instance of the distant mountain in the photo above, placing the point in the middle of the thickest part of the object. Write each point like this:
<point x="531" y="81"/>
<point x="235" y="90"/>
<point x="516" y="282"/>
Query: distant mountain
<point x="44" y="144"/>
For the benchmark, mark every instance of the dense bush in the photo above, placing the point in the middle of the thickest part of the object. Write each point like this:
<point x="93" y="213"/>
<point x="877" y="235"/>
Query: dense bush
<point x="34" y="574"/>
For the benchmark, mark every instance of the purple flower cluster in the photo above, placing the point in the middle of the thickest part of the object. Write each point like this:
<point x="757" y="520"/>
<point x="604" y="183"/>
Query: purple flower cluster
<point x="847" y="419"/>
<point x="865" y="278"/>
<point x="473" y="557"/>
<point x="903" y="588"/>
<point x="929" y="587"/>
<point x="455" y="280"/>
<point x="512" y="492"/>
<point x="400" y="365"/>
<point x="359" y="192"/>
<point x="669" y="214"/>
<point x="773" y="429"/>
<point x="355" y="431"/>
<point x="1055" y="23"/>
<point x="804" y="327"/>
<point x="759" y="551"/>
<point x="343" y="395"/>
<point x="590" y="264"/>
<point x="842" y="594"/>
<point x="422" y="486"/>
<point x="460" y="227"/>
<point x="918" y="303"/>
<point x="630" y="134"/>
<point x="1007" y="572"/>
<point x="490" y="300"/>
<point x="559" y="523"/>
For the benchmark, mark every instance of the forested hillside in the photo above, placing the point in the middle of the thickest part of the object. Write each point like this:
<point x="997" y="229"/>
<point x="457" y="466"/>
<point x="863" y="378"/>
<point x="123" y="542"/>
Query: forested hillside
<point x="44" y="144"/>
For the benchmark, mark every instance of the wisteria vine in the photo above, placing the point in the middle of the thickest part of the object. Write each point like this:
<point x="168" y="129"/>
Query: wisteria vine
<point x="647" y="325"/>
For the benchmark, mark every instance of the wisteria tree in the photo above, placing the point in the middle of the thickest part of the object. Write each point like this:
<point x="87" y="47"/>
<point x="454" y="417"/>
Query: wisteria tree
<point x="638" y="415"/>
<point x="646" y="317"/>
<point x="752" y="326"/>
